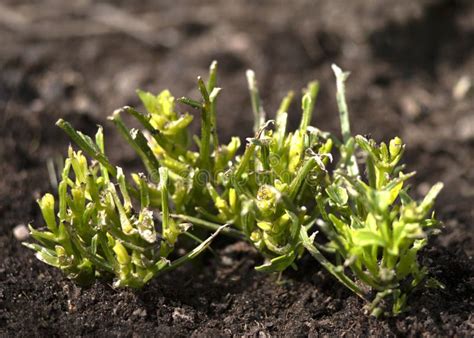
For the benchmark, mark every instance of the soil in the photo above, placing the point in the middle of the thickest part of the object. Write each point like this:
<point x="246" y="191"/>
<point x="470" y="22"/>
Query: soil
<point x="82" y="60"/>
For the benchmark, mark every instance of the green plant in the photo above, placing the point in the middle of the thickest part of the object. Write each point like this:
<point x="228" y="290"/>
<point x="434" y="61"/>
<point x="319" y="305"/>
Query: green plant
<point x="97" y="232"/>
<point x="375" y="229"/>
<point x="264" y="192"/>
<point x="276" y="194"/>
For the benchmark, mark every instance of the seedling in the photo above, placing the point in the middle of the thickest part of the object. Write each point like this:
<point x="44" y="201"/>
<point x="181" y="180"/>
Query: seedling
<point x="375" y="229"/>
<point x="264" y="192"/>
<point x="97" y="232"/>
<point x="276" y="194"/>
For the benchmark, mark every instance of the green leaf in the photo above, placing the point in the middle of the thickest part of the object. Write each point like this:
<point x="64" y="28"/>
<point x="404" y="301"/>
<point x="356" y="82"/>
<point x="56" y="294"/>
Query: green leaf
<point x="278" y="264"/>
<point x="259" y="113"/>
<point x="394" y="192"/>
<point x="307" y="104"/>
<point x="44" y="237"/>
<point x="177" y="126"/>
<point x="123" y="258"/>
<point x="190" y="102"/>
<point x="87" y="145"/>
<point x="162" y="104"/>
<point x="371" y="222"/>
<point x="275" y="247"/>
<point x="281" y="119"/>
<point x="341" y="227"/>
<point x="160" y="267"/>
<point x="46" y="204"/>
<point x="341" y="78"/>
<point x="337" y="194"/>
<point x="429" y="199"/>
<point x="396" y="148"/>
<point x="365" y="237"/>
<point x="211" y="82"/>
<point x="146" y="226"/>
<point x="43" y="254"/>
<point x="149" y="101"/>
<point x="405" y="266"/>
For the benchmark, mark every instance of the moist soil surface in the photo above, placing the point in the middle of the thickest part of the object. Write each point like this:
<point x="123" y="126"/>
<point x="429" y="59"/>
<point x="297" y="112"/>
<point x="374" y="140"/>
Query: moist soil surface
<point x="81" y="60"/>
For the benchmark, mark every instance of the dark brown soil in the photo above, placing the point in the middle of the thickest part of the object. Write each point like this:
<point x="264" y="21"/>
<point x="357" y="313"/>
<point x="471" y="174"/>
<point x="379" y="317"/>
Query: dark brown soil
<point x="82" y="60"/>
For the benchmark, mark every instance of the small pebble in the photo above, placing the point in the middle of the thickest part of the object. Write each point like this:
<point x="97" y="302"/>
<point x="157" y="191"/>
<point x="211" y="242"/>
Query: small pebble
<point x="464" y="128"/>
<point x="180" y="315"/>
<point x="227" y="261"/>
<point x="71" y="307"/>
<point x="462" y="87"/>
<point x="410" y="107"/>
<point x="139" y="312"/>
<point x="21" y="232"/>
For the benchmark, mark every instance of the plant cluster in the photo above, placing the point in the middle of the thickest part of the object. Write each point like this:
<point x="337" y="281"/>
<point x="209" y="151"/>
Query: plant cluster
<point x="276" y="194"/>
<point x="97" y="232"/>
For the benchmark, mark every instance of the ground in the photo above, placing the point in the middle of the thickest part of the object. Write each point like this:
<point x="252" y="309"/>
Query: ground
<point x="410" y="63"/>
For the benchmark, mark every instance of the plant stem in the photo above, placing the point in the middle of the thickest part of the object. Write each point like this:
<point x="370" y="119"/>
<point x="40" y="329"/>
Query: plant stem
<point x="209" y="225"/>
<point x="300" y="177"/>
<point x="341" y="77"/>
<point x="249" y="151"/>
<point x="258" y="112"/>
<point x="138" y="142"/>
<point x="328" y="265"/>
<point x="281" y="119"/>
<point x="204" y="149"/>
<point x="308" y="102"/>
<point x="194" y="253"/>
<point x="172" y="149"/>
<point x="88" y="147"/>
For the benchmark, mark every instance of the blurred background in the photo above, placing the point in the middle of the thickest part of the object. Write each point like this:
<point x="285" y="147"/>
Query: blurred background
<point x="412" y="65"/>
